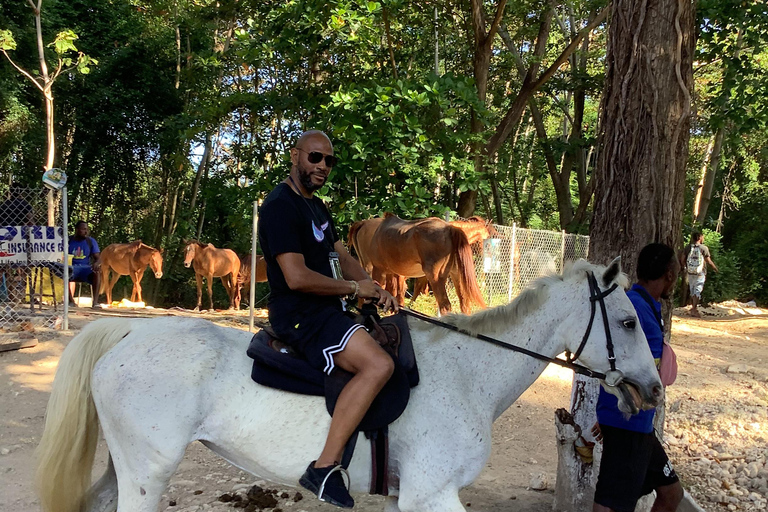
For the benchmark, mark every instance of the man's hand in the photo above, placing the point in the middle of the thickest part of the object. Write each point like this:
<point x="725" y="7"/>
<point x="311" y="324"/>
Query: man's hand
<point x="371" y="290"/>
<point x="596" y="433"/>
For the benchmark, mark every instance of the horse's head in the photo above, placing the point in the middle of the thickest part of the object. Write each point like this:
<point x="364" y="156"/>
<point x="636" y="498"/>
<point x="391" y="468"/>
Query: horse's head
<point x="633" y="377"/>
<point x="189" y="252"/>
<point x="156" y="262"/>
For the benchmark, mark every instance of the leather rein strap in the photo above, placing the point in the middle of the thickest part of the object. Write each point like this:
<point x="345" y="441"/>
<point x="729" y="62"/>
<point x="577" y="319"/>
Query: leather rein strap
<point x="595" y="295"/>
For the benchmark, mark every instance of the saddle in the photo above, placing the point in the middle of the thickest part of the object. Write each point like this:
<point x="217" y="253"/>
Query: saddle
<point x="277" y="365"/>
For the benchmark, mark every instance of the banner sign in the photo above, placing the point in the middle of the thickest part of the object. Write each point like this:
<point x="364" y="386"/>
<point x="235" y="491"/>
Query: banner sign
<point x="20" y="244"/>
<point x="492" y="255"/>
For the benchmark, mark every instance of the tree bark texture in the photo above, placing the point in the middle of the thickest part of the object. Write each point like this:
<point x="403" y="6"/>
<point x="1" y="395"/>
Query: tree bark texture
<point x="640" y="174"/>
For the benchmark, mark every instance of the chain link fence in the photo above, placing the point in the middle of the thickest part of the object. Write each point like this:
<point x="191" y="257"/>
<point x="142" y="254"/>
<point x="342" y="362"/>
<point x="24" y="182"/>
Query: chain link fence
<point x="512" y="257"/>
<point x="31" y="251"/>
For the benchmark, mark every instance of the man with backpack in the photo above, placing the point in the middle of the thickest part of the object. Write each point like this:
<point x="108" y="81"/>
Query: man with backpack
<point x="695" y="259"/>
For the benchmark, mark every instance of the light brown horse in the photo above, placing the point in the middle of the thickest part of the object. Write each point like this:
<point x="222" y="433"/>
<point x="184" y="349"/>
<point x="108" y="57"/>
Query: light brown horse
<point x="477" y="229"/>
<point x="128" y="260"/>
<point x="391" y="246"/>
<point x="244" y="277"/>
<point x="210" y="262"/>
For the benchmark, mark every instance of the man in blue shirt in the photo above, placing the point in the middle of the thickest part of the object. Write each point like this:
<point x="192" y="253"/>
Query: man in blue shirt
<point x="634" y="462"/>
<point x="83" y="249"/>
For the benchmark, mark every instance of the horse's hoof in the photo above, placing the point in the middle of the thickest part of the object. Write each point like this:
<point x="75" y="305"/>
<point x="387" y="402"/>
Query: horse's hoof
<point x="197" y="309"/>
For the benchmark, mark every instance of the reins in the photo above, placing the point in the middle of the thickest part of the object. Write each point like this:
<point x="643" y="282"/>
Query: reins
<point x="595" y="295"/>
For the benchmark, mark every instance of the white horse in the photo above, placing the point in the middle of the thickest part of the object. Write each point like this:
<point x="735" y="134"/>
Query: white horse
<point x="157" y="385"/>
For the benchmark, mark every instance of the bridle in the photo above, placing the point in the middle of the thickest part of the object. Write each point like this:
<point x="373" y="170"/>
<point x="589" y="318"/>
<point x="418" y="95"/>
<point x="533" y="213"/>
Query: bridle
<point x="613" y="377"/>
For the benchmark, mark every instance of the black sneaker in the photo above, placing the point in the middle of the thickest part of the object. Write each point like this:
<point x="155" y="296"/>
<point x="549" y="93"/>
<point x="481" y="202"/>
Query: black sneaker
<point x="328" y="484"/>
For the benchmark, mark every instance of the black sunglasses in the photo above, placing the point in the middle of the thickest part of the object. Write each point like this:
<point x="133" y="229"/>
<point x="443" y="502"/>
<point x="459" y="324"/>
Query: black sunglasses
<point x="314" y="157"/>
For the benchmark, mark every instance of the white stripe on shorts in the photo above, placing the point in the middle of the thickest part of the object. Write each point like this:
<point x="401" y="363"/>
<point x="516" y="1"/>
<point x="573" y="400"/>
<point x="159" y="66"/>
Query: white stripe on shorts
<point x="329" y="351"/>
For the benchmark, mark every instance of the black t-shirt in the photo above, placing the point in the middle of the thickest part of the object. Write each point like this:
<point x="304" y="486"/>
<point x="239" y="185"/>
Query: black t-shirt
<point x="289" y="222"/>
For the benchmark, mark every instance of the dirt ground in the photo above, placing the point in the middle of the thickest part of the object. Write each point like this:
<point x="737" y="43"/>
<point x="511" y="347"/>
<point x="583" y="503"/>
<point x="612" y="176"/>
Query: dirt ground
<point x="717" y="422"/>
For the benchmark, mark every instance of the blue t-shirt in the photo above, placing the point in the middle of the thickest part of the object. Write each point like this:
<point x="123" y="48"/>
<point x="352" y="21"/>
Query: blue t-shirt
<point x="81" y="251"/>
<point x="608" y="412"/>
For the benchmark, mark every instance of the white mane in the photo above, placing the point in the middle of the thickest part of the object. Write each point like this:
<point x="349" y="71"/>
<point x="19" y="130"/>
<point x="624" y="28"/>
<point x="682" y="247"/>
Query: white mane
<point x="498" y="318"/>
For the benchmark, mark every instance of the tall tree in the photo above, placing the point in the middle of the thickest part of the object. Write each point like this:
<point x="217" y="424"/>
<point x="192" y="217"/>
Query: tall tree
<point x="640" y="175"/>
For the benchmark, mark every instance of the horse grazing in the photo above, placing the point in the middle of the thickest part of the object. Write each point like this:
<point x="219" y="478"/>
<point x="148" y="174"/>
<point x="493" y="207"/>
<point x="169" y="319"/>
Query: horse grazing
<point x="210" y="262"/>
<point x="391" y="246"/>
<point x="156" y="385"/>
<point x="129" y="260"/>
<point x="244" y="277"/>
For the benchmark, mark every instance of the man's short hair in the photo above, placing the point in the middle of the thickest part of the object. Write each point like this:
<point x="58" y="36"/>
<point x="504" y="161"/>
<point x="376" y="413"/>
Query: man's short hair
<point x="77" y="224"/>
<point x="654" y="261"/>
<point x="695" y="236"/>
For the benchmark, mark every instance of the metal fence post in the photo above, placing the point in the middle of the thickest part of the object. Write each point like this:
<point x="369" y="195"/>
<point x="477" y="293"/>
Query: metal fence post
<point x="254" y="241"/>
<point x="512" y="263"/>
<point x="65" y="276"/>
<point x="562" y="250"/>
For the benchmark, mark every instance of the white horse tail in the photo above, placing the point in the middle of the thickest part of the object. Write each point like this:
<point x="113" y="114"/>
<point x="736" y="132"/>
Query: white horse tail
<point x="68" y="445"/>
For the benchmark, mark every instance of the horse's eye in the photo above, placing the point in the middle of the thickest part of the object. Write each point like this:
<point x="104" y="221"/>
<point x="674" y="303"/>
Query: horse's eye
<point x="628" y="324"/>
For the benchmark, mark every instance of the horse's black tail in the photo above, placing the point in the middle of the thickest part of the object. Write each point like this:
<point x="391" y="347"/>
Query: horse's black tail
<point x="467" y="285"/>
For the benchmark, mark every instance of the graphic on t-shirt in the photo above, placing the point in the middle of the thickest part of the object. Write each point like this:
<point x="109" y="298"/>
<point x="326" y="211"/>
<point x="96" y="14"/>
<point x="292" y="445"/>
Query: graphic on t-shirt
<point x="79" y="254"/>
<point x="319" y="235"/>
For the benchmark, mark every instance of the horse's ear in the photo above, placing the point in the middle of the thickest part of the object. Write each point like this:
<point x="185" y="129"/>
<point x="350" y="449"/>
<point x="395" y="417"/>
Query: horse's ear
<point x="160" y="250"/>
<point x="612" y="272"/>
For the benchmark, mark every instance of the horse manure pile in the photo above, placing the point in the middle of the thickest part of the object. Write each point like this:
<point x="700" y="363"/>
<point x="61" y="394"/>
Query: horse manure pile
<point x="257" y="498"/>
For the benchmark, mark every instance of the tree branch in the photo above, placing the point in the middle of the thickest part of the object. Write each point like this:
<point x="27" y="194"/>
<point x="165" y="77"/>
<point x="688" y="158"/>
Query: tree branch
<point x="20" y="70"/>
<point x="496" y="22"/>
<point x="565" y="55"/>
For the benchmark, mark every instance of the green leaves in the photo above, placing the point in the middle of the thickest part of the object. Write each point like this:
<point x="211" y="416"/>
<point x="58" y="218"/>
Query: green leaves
<point x="64" y="42"/>
<point x="7" y="42"/>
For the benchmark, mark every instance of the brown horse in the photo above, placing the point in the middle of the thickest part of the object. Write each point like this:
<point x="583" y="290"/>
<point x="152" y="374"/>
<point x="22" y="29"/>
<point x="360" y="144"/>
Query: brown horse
<point x="128" y="260"/>
<point x="428" y="247"/>
<point x="477" y="229"/>
<point x="210" y="262"/>
<point x="244" y="277"/>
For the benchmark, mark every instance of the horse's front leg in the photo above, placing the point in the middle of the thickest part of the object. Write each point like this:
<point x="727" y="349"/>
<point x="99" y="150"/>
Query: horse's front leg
<point x="137" y="285"/>
<point x="209" y="280"/>
<point x="199" y="281"/>
<point x="443" y="500"/>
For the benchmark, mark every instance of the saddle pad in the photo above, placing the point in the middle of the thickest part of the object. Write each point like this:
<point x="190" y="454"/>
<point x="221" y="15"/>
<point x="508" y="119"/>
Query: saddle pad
<point x="284" y="370"/>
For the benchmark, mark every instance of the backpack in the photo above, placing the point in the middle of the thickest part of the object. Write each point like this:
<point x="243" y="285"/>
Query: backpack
<point x="695" y="262"/>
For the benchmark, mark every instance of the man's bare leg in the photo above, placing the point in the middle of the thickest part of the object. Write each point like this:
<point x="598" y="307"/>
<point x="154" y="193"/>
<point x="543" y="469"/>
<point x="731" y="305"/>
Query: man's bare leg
<point x="372" y="367"/>
<point x="694" y="306"/>
<point x="668" y="498"/>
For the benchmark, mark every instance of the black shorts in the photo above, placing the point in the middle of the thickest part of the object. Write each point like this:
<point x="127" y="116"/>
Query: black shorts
<point x="633" y="465"/>
<point x="319" y="335"/>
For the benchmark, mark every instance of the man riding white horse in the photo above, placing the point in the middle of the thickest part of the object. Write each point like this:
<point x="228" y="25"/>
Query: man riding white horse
<point x="309" y="271"/>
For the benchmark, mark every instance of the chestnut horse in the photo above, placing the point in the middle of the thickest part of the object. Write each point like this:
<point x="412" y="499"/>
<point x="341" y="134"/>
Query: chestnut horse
<point x="210" y="262"/>
<point x="128" y="260"/>
<point x="391" y="246"/>
<point x="477" y="229"/>
<point x="244" y="277"/>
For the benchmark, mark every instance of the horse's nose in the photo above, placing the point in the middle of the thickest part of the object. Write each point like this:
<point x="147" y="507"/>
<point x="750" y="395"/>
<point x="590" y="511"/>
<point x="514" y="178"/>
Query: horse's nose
<point x="657" y="393"/>
<point x="187" y="264"/>
<point x="158" y="275"/>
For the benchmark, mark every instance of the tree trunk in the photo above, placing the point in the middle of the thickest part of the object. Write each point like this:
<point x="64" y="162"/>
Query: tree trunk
<point x="481" y="61"/>
<point x="640" y="175"/>
<point x="707" y="182"/>
<point x="385" y="14"/>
